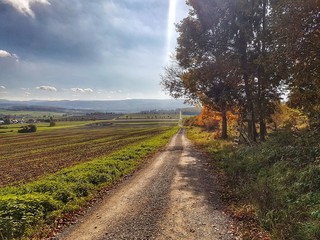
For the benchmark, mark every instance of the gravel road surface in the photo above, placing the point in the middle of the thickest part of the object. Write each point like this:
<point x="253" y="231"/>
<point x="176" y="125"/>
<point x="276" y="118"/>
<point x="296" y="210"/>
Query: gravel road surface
<point x="172" y="197"/>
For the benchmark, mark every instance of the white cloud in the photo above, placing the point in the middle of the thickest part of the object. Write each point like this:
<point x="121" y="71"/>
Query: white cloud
<point x="81" y="90"/>
<point x="47" y="88"/>
<point x="77" y="90"/>
<point x="24" y="6"/>
<point x="88" y="90"/>
<point x="5" y="54"/>
<point x="2" y="87"/>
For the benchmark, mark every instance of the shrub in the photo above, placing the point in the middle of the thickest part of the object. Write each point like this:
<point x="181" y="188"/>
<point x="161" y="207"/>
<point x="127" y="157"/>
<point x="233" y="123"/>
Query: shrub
<point x="52" y="124"/>
<point x="28" y="129"/>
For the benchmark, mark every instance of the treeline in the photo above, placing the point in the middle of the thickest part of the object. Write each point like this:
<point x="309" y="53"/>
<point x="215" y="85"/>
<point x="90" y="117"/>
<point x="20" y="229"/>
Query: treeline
<point x="243" y="56"/>
<point x="155" y="111"/>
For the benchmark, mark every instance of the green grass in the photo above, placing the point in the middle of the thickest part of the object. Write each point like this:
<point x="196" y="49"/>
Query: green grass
<point x="279" y="179"/>
<point x="26" y="207"/>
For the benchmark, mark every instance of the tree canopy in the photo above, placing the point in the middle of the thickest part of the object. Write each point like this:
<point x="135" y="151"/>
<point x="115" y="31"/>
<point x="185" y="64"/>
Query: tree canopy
<point x="296" y="45"/>
<point x="239" y="54"/>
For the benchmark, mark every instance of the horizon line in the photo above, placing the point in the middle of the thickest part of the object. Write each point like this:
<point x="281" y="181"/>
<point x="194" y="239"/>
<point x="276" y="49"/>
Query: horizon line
<point x="51" y="100"/>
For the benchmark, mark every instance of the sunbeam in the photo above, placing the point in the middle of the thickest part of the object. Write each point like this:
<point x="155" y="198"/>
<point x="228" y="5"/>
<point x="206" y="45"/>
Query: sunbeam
<point x="170" y="27"/>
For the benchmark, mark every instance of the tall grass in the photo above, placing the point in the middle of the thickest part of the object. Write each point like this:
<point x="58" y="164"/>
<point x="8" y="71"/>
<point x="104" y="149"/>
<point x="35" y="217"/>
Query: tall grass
<point x="25" y="207"/>
<point x="280" y="179"/>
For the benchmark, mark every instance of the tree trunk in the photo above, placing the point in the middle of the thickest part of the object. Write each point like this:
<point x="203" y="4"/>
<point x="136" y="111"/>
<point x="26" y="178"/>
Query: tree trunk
<point x="261" y="79"/>
<point x="263" y="130"/>
<point x="252" y="132"/>
<point x="224" y="134"/>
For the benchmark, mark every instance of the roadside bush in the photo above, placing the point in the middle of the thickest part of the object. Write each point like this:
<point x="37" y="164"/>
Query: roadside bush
<point x="28" y="129"/>
<point x="280" y="178"/>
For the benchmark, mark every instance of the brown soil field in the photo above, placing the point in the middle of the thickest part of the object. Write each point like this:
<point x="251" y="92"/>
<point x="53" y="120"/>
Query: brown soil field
<point x="26" y="157"/>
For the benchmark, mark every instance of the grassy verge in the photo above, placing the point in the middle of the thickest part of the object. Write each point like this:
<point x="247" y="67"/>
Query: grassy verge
<point x="276" y="184"/>
<point x="27" y="206"/>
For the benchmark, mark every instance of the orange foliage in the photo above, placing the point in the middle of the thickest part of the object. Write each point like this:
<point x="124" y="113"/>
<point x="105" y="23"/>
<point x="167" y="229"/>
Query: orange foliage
<point x="209" y="119"/>
<point x="232" y="118"/>
<point x="212" y="120"/>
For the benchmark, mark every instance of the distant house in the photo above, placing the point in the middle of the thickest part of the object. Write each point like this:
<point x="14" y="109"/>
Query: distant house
<point x="1" y="122"/>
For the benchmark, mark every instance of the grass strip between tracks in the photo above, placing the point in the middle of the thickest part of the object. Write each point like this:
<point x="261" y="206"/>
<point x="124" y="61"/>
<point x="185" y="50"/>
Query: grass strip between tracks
<point x="24" y="208"/>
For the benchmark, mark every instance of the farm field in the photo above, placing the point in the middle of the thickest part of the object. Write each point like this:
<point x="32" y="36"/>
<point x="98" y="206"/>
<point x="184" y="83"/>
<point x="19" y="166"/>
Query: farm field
<point x="43" y="126"/>
<point x="150" y="116"/>
<point x="26" y="157"/>
<point x="33" y="114"/>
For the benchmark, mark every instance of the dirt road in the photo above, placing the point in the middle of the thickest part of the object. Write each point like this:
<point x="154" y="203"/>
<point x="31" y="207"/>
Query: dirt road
<point x="172" y="197"/>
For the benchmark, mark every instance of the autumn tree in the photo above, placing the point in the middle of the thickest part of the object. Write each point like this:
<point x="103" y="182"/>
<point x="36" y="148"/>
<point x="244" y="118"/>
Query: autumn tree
<point x="223" y="47"/>
<point x="200" y="85"/>
<point x="252" y="41"/>
<point x="296" y="44"/>
<point x="238" y="53"/>
<point x="207" y="70"/>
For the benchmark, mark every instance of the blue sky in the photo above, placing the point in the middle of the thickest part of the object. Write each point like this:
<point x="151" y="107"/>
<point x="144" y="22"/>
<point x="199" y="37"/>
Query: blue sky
<point x="80" y="49"/>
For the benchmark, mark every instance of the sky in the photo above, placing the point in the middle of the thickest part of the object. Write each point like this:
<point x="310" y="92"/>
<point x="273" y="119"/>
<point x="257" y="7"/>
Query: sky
<point x="86" y="50"/>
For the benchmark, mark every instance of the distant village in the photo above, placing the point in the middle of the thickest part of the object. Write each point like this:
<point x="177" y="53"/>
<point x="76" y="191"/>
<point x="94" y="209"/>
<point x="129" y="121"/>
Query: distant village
<point x="18" y="120"/>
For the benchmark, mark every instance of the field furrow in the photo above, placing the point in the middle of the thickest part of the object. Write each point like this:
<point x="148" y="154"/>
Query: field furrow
<point x="26" y="157"/>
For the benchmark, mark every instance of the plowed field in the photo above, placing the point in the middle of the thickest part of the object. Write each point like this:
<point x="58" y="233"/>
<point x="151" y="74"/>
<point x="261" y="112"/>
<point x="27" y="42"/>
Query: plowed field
<point x="25" y="157"/>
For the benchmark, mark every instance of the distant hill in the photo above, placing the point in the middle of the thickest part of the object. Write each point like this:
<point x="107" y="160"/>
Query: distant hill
<point x="117" y="106"/>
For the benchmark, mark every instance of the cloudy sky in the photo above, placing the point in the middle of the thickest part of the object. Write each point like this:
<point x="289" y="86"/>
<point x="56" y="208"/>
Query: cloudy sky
<point x="81" y="49"/>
